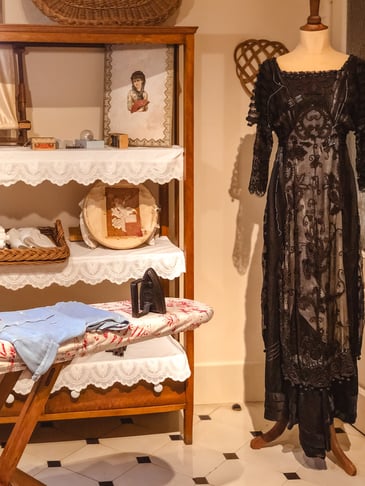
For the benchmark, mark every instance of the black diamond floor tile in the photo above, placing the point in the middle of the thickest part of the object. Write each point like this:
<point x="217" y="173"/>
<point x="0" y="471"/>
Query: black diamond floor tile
<point x="291" y="475"/>
<point x="54" y="463"/>
<point x="143" y="459"/>
<point x="200" y="480"/>
<point x="176" y="437"/>
<point x="230" y="455"/>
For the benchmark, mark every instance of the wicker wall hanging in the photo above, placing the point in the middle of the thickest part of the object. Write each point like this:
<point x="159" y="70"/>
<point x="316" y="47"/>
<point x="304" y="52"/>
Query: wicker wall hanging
<point x="108" y="12"/>
<point x="248" y="56"/>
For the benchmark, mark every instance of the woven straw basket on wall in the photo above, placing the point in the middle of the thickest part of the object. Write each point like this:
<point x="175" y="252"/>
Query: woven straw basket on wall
<point x="108" y="12"/>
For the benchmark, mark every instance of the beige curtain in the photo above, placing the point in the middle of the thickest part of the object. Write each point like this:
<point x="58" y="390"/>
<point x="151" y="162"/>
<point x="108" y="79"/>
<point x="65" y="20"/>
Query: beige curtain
<point x="8" y="114"/>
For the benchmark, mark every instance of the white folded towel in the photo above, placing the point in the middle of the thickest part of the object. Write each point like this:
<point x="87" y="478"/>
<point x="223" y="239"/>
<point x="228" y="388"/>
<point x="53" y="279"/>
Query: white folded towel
<point x="28" y="238"/>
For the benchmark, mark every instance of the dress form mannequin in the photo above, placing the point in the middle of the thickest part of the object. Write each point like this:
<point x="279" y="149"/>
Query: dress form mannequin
<point x="313" y="53"/>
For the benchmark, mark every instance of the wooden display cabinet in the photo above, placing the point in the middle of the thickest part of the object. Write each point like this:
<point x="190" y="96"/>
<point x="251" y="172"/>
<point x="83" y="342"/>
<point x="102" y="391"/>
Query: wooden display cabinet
<point x="121" y="400"/>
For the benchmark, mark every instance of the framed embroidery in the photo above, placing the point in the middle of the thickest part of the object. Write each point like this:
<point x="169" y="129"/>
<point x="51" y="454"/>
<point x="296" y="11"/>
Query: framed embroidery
<point x="139" y="94"/>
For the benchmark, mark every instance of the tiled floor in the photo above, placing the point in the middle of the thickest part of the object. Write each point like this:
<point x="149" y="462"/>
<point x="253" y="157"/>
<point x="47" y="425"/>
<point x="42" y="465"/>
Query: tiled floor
<point x="148" y="450"/>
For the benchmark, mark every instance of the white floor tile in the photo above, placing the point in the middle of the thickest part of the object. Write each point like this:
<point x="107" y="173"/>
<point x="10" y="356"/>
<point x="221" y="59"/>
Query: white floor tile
<point x="153" y="476"/>
<point x="254" y="475"/>
<point x="193" y="460"/>
<point x="141" y="444"/>
<point x="32" y="464"/>
<point x="141" y="451"/>
<point x="58" y="450"/>
<point x="230" y="473"/>
<point x="332" y="476"/>
<point x="62" y="477"/>
<point x="99" y="462"/>
<point x="216" y="435"/>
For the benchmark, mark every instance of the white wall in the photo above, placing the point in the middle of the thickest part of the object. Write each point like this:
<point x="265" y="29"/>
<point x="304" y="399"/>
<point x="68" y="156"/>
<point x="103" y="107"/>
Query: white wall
<point x="229" y="356"/>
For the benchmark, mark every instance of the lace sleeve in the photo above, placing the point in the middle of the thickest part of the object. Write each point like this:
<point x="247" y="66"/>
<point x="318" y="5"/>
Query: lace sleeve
<point x="258" y="115"/>
<point x="360" y="125"/>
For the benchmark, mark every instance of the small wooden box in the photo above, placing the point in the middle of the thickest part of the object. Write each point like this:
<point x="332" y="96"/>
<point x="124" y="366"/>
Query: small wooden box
<point x="119" y="140"/>
<point x="43" y="143"/>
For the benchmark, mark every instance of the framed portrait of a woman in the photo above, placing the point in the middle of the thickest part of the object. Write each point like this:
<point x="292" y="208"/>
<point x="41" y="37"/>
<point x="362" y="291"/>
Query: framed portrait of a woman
<point x="138" y="100"/>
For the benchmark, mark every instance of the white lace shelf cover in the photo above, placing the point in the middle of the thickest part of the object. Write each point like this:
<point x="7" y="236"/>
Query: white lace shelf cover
<point x="153" y="361"/>
<point x="93" y="266"/>
<point x="85" y="166"/>
<point x="182" y="315"/>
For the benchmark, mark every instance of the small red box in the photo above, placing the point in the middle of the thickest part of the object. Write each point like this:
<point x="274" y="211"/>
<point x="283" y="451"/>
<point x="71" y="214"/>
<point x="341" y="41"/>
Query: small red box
<point x="43" y="143"/>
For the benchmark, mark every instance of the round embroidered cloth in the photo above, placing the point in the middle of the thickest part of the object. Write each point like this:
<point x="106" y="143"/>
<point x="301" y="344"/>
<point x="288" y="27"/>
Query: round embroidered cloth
<point x="108" y="12"/>
<point x="120" y="216"/>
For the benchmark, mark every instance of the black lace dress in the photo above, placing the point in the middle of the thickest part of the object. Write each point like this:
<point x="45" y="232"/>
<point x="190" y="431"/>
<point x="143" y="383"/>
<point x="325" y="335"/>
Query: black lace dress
<point x="312" y="296"/>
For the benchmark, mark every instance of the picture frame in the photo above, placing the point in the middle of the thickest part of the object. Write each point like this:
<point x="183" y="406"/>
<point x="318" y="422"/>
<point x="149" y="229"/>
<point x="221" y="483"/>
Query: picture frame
<point x="139" y="94"/>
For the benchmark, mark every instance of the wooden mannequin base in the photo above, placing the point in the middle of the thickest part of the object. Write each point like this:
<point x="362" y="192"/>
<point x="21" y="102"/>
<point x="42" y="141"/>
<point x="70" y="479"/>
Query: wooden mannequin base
<point x="264" y="439"/>
<point x="342" y="460"/>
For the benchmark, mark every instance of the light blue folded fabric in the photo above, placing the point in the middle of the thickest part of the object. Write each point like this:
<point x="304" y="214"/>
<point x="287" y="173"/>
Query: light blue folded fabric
<point x="38" y="332"/>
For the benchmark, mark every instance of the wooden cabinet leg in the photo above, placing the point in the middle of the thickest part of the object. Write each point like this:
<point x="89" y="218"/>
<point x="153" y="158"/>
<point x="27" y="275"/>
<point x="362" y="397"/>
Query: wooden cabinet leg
<point x="20" y="478"/>
<point x="188" y="425"/>
<point x="189" y="389"/>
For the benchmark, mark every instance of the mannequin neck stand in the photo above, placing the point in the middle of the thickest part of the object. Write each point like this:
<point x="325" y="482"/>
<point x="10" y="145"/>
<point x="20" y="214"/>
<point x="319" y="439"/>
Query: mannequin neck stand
<point x="313" y="53"/>
<point x="314" y="21"/>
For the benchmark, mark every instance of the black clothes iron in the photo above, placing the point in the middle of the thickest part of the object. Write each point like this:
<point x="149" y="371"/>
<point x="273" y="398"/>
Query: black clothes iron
<point x="147" y="295"/>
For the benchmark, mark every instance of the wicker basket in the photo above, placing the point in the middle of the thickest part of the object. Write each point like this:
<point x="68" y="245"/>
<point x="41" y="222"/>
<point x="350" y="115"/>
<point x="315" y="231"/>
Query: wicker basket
<point x="56" y="254"/>
<point x="108" y="12"/>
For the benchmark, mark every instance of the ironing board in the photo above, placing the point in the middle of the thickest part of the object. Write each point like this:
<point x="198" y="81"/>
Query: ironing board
<point x="182" y="315"/>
